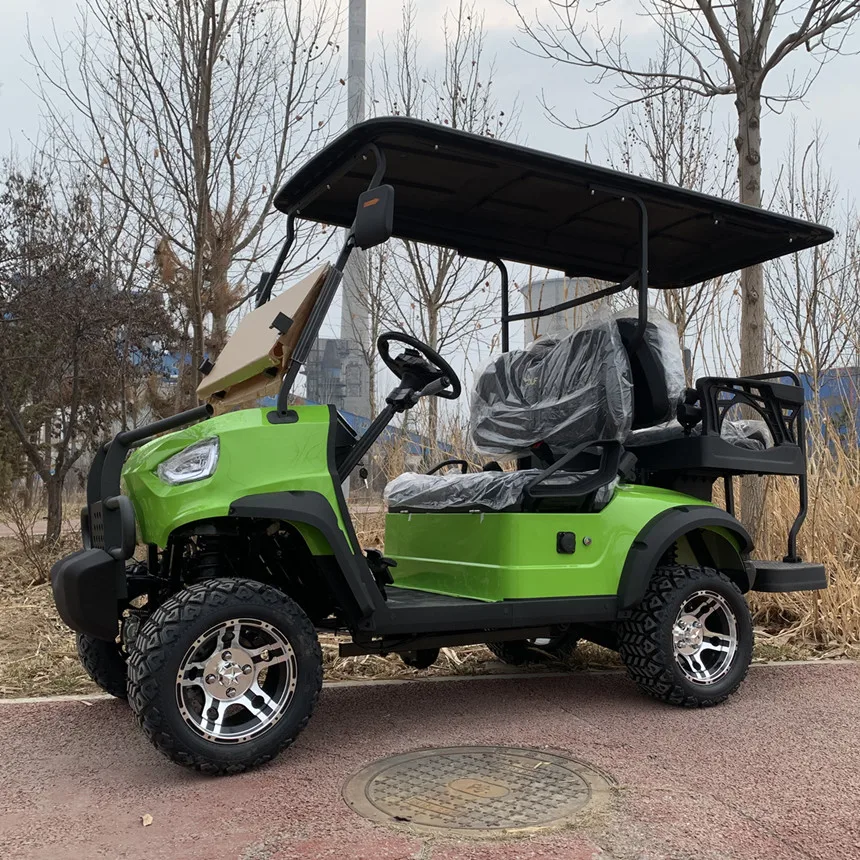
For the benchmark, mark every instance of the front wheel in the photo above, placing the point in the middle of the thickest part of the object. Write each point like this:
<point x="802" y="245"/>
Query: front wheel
<point x="104" y="663"/>
<point x="690" y="641"/>
<point x="224" y="675"/>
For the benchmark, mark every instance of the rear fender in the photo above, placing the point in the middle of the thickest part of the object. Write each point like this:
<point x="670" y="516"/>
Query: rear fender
<point x="703" y="535"/>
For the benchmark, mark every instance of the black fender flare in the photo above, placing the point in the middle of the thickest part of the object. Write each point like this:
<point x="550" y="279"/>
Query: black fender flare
<point x="661" y="532"/>
<point x="315" y="510"/>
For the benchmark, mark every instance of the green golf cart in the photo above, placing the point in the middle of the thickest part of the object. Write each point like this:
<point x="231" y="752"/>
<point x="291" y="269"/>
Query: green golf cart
<point x="604" y="530"/>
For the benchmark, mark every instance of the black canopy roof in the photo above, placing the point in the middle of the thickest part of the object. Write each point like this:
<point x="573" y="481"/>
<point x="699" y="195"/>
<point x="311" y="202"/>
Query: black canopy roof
<point x="488" y="198"/>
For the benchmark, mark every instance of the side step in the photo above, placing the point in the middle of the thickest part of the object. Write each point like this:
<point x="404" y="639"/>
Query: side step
<point x="775" y="576"/>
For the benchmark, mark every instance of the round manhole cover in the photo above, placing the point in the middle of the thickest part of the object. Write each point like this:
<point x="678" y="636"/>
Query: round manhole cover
<point x="476" y="791"/>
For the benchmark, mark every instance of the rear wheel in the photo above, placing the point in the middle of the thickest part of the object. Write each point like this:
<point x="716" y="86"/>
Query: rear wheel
<point x="690" y="640"/>
<point x="549" y="649"/>
<point x="225" y="674"/>
<point x="423" y="658"/>
<point x="105" y="663"/>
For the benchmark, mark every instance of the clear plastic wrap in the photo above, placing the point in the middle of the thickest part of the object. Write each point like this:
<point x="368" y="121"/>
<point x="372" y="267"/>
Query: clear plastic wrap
<point x="481" y="491"/>
<point x="661" y="337"/>
<point x="745" y="434"/>
<point x="561" y="391"/>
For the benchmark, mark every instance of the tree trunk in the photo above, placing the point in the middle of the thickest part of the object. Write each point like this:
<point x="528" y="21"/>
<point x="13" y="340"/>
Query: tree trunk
<point x="201" y="159"/>
<point x="54" y="492"/>
<point x="752" y="279"/>
<point x="752" y="284"/>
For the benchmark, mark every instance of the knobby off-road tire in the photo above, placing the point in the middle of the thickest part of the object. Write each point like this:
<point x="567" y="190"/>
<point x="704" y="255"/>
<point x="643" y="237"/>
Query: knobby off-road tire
<point x="226" y="614"/>
<point x="647" y="640"/>
<point x="423" y="658"/>
<point x="522" y="651"/>
<point x="105" y="663"/>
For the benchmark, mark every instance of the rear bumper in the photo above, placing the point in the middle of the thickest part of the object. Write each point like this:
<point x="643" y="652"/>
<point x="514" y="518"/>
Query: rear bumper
<point x="780" y="576"/>
<point x="88" y="585"/>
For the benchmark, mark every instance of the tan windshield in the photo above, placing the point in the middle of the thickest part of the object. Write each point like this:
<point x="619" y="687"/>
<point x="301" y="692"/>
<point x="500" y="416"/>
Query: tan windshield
<point x="254" y="359"/>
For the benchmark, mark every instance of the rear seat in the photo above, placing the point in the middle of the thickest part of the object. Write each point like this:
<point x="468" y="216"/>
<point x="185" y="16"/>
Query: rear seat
<point x="753" y="435"/>
<point x="659" y="385"/>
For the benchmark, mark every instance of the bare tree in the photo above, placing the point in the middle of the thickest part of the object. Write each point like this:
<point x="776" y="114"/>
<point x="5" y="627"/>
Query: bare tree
<point x="670" y="136"/>
<point x="75" y="327"/>
<point x="194" y="111"/>
<point x="814" y="306"/>
<point x="730" y="49"/>
<point x="440" y="297"/>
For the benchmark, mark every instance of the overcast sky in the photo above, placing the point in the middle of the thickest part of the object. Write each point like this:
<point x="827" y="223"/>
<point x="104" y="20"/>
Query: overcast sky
<point x="834" y="101"/>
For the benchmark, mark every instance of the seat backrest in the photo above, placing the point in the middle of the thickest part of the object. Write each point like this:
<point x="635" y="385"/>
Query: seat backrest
<point x="560" y="391"/>
<point x="656" y="367"/>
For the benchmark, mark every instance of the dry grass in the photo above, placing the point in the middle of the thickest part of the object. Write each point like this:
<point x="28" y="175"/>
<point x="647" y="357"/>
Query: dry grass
<point x="37" y="649"/>
<point x="39" y="657"/>
<point x="828" y="620"/>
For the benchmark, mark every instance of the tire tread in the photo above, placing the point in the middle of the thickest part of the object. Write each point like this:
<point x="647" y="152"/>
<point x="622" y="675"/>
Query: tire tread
<point x="162" y="631"/>
<point x="649" y="664"/>
<point x="105" y="663"/>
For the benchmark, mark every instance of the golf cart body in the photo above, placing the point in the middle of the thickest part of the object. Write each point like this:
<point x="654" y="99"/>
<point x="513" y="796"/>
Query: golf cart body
<point x="616" y="457"/>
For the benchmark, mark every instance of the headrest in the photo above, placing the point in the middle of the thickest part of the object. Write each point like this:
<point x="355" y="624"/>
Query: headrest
<point x="656" y="366"/>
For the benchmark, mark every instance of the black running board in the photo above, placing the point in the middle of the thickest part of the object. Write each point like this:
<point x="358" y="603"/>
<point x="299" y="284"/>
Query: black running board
<point x="410" y="612"/>
<point x="779" y="576"/>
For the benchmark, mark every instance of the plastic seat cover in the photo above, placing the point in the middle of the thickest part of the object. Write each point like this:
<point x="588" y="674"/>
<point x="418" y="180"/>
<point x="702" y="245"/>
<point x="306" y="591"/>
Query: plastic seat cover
<point x="479" y="491"/>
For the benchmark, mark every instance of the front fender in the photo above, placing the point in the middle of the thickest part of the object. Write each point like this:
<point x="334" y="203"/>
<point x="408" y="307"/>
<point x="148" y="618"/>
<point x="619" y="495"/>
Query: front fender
<point x="715" y="539"/>
<point x="309" y="510"/>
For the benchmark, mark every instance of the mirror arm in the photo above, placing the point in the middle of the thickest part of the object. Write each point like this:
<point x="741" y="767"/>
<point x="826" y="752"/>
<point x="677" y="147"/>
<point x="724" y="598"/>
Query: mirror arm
<point x="381" y="165"/>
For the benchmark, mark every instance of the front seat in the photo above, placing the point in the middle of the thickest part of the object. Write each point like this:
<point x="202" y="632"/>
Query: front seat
<point x="555" y="395"/>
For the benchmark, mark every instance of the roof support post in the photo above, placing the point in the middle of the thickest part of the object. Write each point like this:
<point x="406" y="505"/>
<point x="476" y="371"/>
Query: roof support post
<point x="642" y="270"/>
<point x="264" y="290"/>
<point x="506" y="328"/>
<point x="642" y="285"/>
<point x="327" y="293"/>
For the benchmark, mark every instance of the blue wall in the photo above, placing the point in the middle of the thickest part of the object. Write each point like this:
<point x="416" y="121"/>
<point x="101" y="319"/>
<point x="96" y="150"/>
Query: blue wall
<point x="839" y="391"/>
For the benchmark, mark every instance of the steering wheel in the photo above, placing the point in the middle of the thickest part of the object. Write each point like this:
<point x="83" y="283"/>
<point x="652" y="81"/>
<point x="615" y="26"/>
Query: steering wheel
<point x="436" y="364"/>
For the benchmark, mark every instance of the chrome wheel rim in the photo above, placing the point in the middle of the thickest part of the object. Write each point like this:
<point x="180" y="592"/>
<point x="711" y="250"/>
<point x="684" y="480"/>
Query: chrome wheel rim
<point x="236" y="681"/>
<point x="705" y="637"/>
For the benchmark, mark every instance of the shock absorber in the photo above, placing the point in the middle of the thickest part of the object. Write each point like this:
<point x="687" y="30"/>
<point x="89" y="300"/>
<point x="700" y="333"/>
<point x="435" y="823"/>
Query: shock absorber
<point x="670" y="557"/>
<point x="211" y="558"/>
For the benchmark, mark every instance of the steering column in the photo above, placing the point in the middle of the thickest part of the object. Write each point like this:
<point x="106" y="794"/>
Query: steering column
<point x="421" y="372"/>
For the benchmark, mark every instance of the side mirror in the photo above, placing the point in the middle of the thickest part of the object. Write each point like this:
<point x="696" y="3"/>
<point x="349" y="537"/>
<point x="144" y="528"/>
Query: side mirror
<point x="374" y="218"/>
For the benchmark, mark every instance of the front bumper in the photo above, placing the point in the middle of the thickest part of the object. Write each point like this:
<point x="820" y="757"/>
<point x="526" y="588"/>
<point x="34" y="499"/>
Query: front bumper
<point x="88" y="585"/>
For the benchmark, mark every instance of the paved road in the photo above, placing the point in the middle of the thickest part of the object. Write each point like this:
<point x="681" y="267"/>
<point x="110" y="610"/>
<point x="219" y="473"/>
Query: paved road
<point x="774" y="774"/>
<point x="40" y="528"/>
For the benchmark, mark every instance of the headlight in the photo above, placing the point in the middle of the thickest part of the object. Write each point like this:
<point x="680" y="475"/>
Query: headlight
<point x="193" y="463"/>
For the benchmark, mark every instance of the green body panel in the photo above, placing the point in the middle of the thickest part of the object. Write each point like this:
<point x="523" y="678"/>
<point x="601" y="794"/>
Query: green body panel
<point x="256" y="456"/>
<point x="484" y="556"/>
<point x="514" y="555"/>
